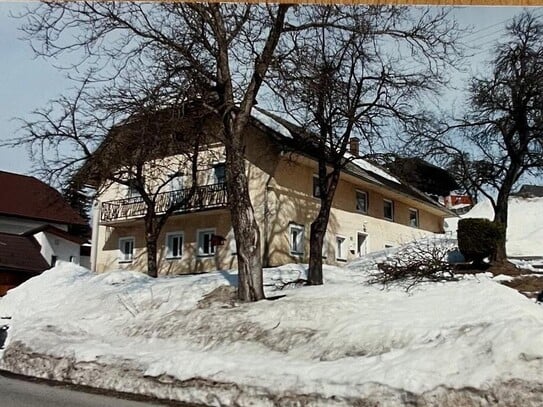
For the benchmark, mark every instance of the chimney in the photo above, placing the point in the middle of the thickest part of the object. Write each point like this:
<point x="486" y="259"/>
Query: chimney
<point x="354" y="146"/>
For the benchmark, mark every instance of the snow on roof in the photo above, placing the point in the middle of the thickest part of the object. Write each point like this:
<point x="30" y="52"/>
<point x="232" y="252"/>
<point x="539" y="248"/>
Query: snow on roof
<point x="270" y="122"/>
<point x="367" y="166"/>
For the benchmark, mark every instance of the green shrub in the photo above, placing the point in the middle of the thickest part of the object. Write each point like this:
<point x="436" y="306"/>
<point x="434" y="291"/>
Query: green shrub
<point x="478" y="238"/>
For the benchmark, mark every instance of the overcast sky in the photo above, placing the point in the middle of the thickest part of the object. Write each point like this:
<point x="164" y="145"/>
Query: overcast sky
<point x="27" y="83"/>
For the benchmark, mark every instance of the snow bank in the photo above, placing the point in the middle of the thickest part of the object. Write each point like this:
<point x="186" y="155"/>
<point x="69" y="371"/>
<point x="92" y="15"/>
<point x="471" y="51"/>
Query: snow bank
<point x="341" y="342"/>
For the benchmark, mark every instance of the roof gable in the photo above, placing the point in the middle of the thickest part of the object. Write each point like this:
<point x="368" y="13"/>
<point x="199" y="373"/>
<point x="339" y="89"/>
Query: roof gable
<point x="28" y="197"/>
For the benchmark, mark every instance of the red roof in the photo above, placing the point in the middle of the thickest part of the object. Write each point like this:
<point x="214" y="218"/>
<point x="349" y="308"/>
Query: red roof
<point x="21" y="253"/>
<point x="28" y="197"/>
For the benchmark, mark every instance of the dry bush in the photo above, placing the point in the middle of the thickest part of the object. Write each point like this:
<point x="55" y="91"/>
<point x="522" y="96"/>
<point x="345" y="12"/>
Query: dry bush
<point x="414" y="264"/>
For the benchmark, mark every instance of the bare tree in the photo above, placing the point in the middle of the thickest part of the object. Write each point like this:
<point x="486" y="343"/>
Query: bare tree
<point x="357" y="72"/>
<point x="221" y="51"/>
<point x="500" y="137"/>
<point x="75" y="146"/>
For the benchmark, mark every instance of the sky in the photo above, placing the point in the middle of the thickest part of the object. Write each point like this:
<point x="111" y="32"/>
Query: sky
<point x="28" y="83"/>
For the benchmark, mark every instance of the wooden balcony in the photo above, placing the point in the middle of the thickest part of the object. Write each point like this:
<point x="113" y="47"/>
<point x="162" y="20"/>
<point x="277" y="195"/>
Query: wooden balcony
<point x="212" y="196"/>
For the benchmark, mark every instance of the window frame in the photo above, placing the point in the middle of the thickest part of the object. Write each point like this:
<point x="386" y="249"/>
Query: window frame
<point x="365" y="193"/>
<point x="199" y="253"/>
<point x="366" y="241"/>
<point x="391" y="218"/>
<point x="341" y="248"/>
<point x="417" y="217"/>
<point x="123" y="256"/>
<point x="169" y="250"/>
<point x="296" y="226"/>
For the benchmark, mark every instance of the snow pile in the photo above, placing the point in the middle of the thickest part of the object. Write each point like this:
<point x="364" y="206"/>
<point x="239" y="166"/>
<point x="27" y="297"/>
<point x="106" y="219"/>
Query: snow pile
<point x="345" y="341"/>
<point x="525" y="224"/>
<point x="525" y="230"/>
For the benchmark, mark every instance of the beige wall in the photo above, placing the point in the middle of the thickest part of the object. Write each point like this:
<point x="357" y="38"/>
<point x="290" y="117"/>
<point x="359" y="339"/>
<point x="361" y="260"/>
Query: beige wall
<point x="188" y="225"/>
<point x="159" y="171"/>
<point x="281" y="193"/>
<point x="292" y="202"/>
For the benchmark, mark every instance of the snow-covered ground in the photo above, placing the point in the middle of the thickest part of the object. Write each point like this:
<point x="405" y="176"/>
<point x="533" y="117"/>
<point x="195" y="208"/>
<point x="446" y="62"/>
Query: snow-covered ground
<point x="525" y="224"/>
<point x="458" y="343"/>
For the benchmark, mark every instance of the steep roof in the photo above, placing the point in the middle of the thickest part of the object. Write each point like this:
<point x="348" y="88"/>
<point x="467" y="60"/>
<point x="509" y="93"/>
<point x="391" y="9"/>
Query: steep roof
<point x="21" y="253"/>
<point x="283" y="132"/>
<point x="28" y="197"/>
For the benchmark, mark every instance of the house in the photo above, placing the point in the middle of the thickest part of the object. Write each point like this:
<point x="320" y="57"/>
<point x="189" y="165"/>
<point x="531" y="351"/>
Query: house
<point x="372" y="209"/>
<point x="35" y="225"/>
<point x="530" y="191"/>
<point x="20" y="259"/>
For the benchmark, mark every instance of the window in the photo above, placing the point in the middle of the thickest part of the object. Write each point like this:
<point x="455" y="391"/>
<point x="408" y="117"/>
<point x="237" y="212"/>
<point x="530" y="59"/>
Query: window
<point x="126" y="248"/>
<point x="205" y="243"/>
<point x="219" y="172"/>
<point x="388" y="209"/>
<point x="316" y="187"/>
<point x="174" y="245"/>
<point x="341" y="251"/>
<point x="362" y="244"/>
<point x="362" y="201"/>
<point x="413" y="217"/>
<point x="296" y="239"/>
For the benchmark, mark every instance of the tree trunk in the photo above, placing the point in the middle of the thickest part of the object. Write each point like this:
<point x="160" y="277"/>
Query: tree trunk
<point x="501" y="213"/>
<point x="500" y="217"/>
<point x="151" y="238"/>
<point x="246" y="231"/>
<point x="316" y="241"/>
<point x="152" y="266"/>
<point x="318" y="230"/>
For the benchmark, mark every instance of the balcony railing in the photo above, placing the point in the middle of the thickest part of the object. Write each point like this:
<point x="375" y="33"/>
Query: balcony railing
<point x="204" y="197"/>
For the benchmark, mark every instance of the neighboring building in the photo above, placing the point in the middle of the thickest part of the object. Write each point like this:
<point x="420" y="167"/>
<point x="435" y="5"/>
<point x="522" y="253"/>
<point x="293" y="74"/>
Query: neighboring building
<point x="35" y="224"/>
<point x="57" y="244"/>
<point x="458" y="203"/>
<point x="28" y="203"/>
<point x="530" y="191"/>
<point x="372" y="209"/>
<point x="20" y="259"/>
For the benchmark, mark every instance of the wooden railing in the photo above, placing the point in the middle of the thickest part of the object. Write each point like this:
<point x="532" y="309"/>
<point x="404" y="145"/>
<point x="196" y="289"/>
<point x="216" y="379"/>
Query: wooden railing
<point x="204" y="197"/>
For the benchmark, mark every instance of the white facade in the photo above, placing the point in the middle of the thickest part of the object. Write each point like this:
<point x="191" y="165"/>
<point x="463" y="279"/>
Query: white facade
<point x="53" y="246"/>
